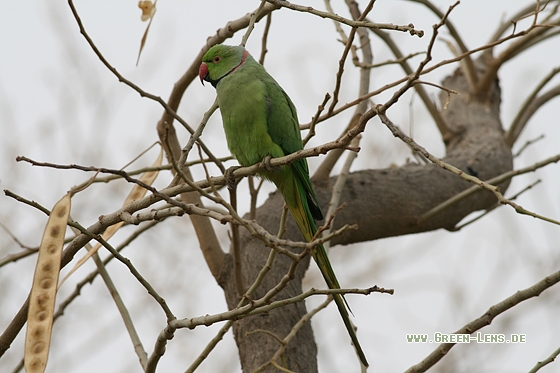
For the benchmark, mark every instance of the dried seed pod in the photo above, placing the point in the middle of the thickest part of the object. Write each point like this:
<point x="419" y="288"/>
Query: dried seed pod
<point x="43" y="291"/>
<point x="148" y="9"/>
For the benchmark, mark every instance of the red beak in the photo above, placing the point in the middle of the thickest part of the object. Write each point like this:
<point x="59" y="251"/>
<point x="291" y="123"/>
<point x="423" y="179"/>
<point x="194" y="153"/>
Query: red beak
<point x="203" y="72"/>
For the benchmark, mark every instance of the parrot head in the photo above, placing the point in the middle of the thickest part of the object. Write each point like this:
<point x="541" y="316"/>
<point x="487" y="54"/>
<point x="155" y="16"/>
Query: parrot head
<point x="219" y="61"/>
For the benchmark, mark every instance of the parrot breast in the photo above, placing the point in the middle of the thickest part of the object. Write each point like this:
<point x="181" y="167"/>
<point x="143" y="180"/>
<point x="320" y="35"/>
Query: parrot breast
<point x="244" y="108"/>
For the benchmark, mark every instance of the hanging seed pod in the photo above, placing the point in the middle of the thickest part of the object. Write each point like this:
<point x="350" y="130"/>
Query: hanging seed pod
<point x="43" y="291"/>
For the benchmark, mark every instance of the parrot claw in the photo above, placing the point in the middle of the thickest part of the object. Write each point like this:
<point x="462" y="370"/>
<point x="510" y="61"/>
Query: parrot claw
<point x="266" y="164"/>
<point x="230" y="180"/>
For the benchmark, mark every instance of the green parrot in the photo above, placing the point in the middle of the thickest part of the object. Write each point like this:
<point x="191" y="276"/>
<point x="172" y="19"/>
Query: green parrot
<point x="260" y="121"/>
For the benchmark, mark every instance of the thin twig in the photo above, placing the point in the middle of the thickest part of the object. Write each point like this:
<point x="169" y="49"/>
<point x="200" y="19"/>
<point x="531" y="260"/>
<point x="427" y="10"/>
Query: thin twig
<point x="254" y="192"/>
<point x="251" y="26"/>
<point x="235" y="246"/>
<point x="195" y="137"/>
<point x="546" y="361"/>
<point x="325" y="168"/>
<point x="125" y="315"/>
<point x="264" y="305"/>
<point x="534" y="31"/>
<point x="528" y="11"/>
<point x="264" y="50"/>
<point x="402" y="80"/>
<point x="476" y="188"/>
<point x="12" y="258"/>
<point x="449" y="91"/>
<point x="517" y="124"/>
<point x="129" y="83"/>
<point x="339" y="186"/>
<point x="378" y="26"/>
<point x="149" y="288"/>
<point x="20" y="255"/>
<point x="89" y="278"/>
<point x="342" y="60"/>
<point x="397" y="61"/>
<point x="527" y="144"/>
<point x="209" y="347"/>
<point x="311" y="292"/>
<point x="297" y="326"/>
<point x="415" y="75"/>
<point x="493" y="207"/>
<point x="470" y="71"/>
<point x="169" y="166"/>
<point x="448" y="167"/>
<point x="159" y="349"/>
<point x="486" y="319"/>
<point x="320" y="109"/>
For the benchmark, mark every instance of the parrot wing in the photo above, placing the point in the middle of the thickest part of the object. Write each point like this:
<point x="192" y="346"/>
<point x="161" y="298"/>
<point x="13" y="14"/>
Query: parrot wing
<point x="283" y="128"/>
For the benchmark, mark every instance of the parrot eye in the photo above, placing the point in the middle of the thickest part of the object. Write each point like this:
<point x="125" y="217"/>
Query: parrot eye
<point x="217" y="59"/>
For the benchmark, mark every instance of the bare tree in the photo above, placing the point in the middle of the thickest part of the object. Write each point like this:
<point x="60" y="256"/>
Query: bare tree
<point x="261" y="273"/>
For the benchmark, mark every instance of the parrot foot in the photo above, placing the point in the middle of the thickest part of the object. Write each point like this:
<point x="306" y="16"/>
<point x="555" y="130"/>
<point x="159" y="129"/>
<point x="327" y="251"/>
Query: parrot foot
<point x="266" y="164"/>
<point x="230" y="180"/>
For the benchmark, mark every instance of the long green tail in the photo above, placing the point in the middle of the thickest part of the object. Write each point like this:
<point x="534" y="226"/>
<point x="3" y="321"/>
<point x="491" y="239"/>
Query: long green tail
<point x="296" y="199"/>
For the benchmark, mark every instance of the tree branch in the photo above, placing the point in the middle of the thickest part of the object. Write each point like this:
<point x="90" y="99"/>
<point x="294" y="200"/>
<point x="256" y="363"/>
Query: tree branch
<point x="531" y="104"/>
<point x="486" y="319"/>
<point x="370" y="25"/>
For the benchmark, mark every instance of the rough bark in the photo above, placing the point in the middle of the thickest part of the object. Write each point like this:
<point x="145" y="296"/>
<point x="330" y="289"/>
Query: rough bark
<point x="383" y="203"/>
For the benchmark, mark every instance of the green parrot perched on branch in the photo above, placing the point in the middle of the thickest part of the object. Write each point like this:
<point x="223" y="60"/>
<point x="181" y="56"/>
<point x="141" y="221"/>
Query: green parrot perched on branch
<point x="260" y="121"/>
